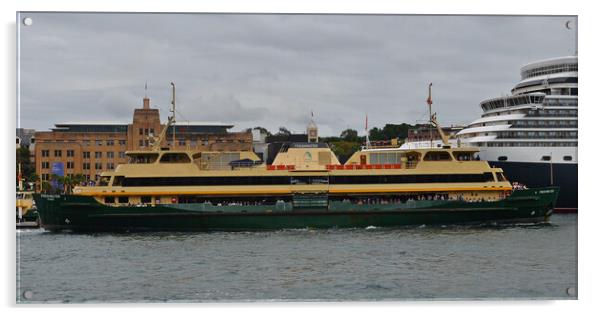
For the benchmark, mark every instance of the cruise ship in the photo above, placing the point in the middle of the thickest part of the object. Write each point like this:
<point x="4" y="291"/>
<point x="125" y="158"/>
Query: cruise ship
<point x="532" y="133"/>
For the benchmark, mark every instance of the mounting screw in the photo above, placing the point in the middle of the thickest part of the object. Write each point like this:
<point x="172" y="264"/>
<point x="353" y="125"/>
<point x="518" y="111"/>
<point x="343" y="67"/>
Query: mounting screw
<point x="27" y="21"/>
<point x="27" y="295"/>
<point x="570" y="291"/>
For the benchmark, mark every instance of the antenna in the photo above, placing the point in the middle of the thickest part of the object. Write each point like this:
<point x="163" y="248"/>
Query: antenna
<point x="173" y="112"/>
<point x="429" y="101"/>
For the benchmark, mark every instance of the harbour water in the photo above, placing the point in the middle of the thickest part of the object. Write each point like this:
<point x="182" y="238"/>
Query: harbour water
<point x="448" y="262"/>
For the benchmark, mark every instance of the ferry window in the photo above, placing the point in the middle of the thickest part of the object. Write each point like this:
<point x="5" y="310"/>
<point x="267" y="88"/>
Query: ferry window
<point x="500" y="176"/>
<point x="463" y="156"/>
<point x="109" y="199"/>
<point x="104" y="181"/>
<point x="118" y="181"/>
<point x="437" y="156"/>
<point x="488" y="177"/>
<point x="546" y="158"/>
<point x="145" y="199"/>
<point x="143" y="158"/>
<point x="502" y="158"/>
<point x="175" y="158"/>
<point x="567" y="158"/>
<point x="123" y="199"/>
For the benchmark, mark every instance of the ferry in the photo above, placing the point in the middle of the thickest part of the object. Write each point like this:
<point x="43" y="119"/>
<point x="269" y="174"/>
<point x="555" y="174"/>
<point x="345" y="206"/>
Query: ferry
<point x="305" y="187"/>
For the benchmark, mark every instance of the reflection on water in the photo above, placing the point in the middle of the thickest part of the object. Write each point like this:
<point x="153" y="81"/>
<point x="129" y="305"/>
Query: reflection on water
<point x="424" y="262"/>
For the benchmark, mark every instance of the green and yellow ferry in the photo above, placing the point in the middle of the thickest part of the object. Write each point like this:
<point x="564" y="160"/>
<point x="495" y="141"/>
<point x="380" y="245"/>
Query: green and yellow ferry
<point x="305" y="187"/>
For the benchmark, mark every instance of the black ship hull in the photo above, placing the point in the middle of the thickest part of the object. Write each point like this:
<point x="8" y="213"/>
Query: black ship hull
<point x="545" y="174"/>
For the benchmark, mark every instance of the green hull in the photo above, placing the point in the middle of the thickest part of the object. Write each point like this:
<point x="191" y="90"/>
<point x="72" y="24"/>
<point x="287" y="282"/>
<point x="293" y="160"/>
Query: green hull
<point x="79" y="213"/>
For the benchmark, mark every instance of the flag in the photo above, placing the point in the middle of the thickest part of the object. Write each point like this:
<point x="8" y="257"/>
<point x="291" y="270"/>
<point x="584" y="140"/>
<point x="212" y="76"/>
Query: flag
<point x="366" y="122"/>
<point x="429" y="101"/>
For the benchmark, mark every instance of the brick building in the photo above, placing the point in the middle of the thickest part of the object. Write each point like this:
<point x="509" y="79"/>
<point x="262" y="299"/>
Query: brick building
<point x="89" y="149"/>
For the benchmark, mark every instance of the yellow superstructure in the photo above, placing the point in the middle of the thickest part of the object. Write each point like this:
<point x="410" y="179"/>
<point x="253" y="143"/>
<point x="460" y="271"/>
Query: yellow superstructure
<point x="164" y="176"/>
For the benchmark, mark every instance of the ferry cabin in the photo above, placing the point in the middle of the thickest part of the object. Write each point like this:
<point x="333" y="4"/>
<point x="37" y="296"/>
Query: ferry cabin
<point x="299" y="171"/>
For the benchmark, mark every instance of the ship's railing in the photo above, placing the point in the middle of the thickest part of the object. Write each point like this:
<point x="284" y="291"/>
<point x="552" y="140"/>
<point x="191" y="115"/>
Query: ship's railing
<point x="363" y="166"/>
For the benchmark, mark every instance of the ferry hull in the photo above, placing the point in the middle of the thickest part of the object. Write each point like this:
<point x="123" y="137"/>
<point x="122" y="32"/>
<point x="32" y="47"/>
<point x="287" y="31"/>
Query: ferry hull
<point x="79" y="213"/>
<point x="540" y="174"/>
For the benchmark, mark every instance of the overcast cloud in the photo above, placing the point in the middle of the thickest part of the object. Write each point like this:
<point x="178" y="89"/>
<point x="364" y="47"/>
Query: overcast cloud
<point x="272" y="70"/>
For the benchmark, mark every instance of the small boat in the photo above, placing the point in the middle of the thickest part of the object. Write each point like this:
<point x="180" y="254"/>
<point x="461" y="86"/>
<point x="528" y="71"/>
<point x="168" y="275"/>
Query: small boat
<point x="26" y="211"/>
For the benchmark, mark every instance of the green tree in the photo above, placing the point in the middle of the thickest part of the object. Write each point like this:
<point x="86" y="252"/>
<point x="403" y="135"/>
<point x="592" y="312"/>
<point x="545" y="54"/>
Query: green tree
<point x="283" y="131"/>
<point x="28" y="169"/>
<point x="46" y="187"/>
<point x="349" y="135"/>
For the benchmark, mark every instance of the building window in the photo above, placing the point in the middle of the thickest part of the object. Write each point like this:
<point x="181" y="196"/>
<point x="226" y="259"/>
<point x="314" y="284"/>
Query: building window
<point x="140" y="131"/>
<point x="86" y="142"/>
<point x="110" y="166"/>
<point x="45" y="153"/>
<point x="98" y="142"/>
<point x="58" y="153"/>
<point x="86" y="166"/>
<point x="86" y="154"/>
<point x="110" y="142"/>
<point x="45" y="165"/>
<point x="45" y="177"/>
<point x="141" y="143"/>
<point x="152" y="131"/>
<point x="70" y="153"/>
<point x="98" y="166"/>
<point x="70" y="164"/>
<point x="122" y="154"/>
<point x="146" y="131"/>
<point x="122" y="142"/>
<point x="97" y="154"/>
<point x="110" y="155"/>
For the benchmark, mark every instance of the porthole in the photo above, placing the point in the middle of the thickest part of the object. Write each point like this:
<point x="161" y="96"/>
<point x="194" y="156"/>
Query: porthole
<point x="567" y="158"/>
<point x="546" y="158"/>
<point x="502" y="158"/>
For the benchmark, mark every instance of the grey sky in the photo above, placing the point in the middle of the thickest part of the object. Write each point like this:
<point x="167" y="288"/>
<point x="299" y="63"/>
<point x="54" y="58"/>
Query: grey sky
<point x="272" y="70"/>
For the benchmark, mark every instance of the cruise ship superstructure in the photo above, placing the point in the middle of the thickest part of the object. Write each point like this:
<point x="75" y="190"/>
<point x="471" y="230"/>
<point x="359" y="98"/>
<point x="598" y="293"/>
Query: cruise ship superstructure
<point x="532" y="133"/>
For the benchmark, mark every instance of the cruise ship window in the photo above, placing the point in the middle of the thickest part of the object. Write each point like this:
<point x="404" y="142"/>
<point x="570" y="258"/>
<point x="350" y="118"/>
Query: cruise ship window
<point x="546" y="158"/>
<point x="567" y="158"/>
<point x="502" y="158"/>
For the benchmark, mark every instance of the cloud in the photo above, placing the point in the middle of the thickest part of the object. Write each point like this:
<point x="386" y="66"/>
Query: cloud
<point x="272" y="70"/>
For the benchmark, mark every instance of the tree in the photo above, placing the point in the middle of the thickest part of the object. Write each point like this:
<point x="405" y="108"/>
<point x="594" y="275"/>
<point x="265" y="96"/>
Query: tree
<point x="349" y="135"/>
<point x="263" y="130"/>
<point x="28" y="169"/>
<point x="283" y="131"/>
